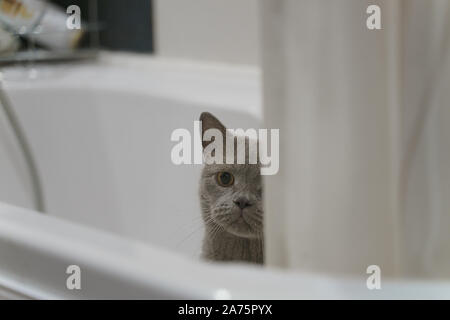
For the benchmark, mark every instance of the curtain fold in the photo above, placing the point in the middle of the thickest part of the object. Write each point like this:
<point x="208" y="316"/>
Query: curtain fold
<point x="363" y="118"/>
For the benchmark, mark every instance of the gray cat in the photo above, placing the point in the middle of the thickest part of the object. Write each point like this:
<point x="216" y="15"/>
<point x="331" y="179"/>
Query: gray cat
<point x="231" y="202"/>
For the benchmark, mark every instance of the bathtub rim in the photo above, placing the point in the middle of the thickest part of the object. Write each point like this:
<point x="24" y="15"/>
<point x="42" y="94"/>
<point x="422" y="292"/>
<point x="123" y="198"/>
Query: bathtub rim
<point x="127" y="262"/>
<point x="190" y="82"/>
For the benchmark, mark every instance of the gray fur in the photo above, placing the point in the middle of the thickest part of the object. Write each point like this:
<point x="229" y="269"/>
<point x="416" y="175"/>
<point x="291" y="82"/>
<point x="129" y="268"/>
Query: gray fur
<point x="231" y="233"/>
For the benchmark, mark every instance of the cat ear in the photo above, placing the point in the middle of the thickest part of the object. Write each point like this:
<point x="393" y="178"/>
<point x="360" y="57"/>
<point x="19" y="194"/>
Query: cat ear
<point x="211" y="122"/>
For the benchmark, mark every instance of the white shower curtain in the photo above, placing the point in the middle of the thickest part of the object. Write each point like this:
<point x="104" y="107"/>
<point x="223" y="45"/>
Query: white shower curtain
<point x="364" y="119"/>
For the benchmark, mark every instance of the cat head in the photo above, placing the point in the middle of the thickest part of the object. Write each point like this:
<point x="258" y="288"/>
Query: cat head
<point x="231" y="194"/>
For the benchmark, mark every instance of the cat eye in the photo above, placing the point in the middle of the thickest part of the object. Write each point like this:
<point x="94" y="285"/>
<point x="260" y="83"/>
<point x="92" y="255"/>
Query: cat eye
<point x="225" y="179"/>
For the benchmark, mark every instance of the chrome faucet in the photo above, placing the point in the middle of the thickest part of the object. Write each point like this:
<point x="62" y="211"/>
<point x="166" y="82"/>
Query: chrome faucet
<point x="37" y="30"/>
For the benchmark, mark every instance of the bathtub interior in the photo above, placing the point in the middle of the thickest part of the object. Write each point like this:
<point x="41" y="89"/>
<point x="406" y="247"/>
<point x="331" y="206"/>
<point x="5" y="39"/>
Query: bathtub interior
<point x="116" y="204"/>
<point x="104" y="151"/>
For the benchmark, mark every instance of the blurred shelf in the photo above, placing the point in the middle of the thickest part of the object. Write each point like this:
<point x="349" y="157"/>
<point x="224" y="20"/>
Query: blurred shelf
<point x="85" y="27"/>
<point x="41" y="55"/>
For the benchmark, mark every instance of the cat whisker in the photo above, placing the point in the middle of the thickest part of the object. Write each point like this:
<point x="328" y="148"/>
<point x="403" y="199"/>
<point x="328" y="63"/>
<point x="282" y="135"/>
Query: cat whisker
<point x="197" y="229"/>
<point x="213" y="232"/>
<point x="255" y="219"/>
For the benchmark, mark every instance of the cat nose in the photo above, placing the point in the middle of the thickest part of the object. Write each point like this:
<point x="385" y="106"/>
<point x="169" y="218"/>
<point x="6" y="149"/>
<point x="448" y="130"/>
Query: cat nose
<point x="242" y="202"/>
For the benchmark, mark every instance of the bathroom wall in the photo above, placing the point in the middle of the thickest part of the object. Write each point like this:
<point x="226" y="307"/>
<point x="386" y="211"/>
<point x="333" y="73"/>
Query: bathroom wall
<point x="221" y="30"/>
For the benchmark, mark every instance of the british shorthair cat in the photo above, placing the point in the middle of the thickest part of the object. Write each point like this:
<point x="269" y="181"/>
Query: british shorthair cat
<point x="231" y="202"/>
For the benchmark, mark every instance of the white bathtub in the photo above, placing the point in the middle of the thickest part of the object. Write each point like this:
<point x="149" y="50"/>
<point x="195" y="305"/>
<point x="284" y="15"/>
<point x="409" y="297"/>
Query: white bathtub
<point x="117" y="206"/>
